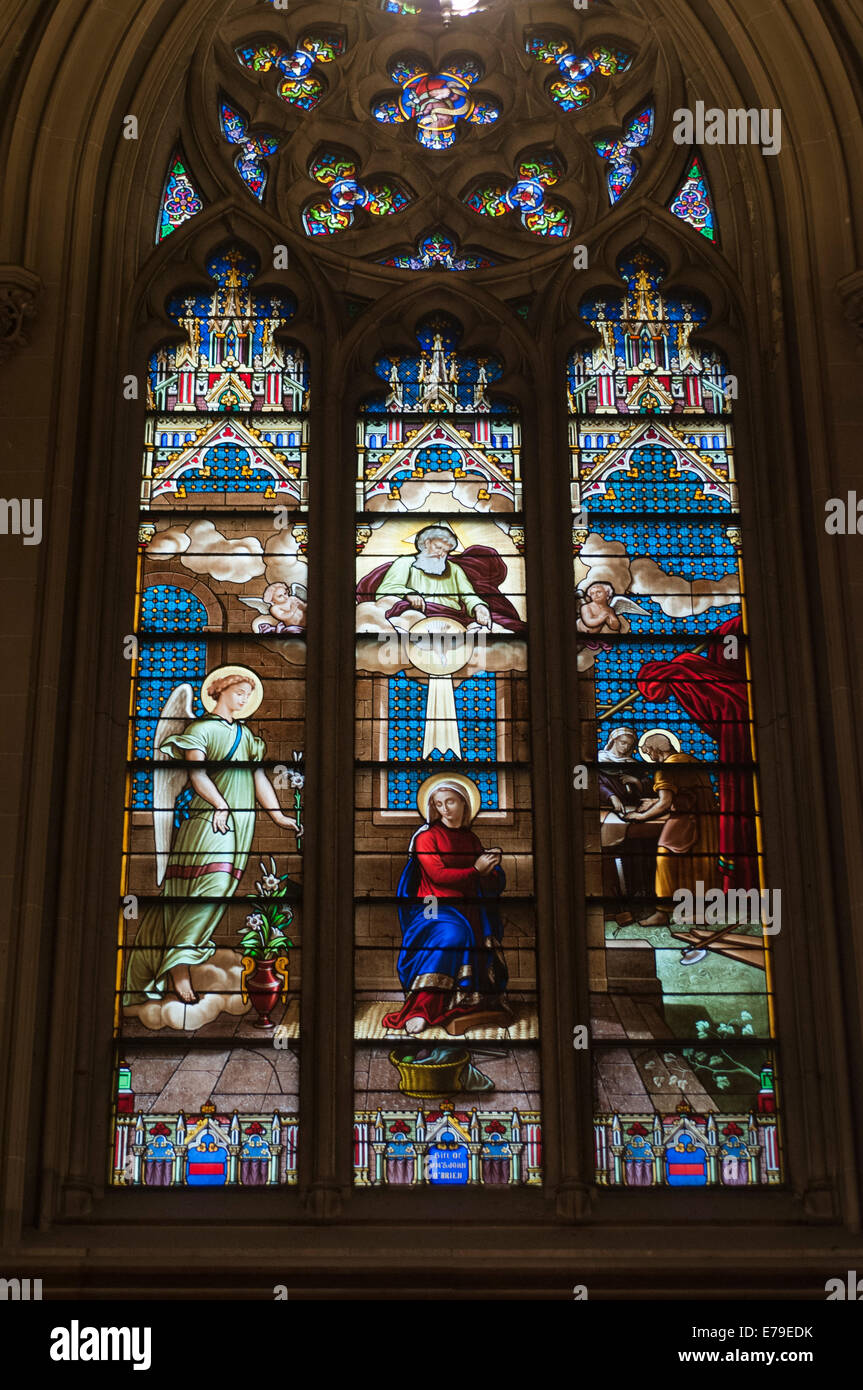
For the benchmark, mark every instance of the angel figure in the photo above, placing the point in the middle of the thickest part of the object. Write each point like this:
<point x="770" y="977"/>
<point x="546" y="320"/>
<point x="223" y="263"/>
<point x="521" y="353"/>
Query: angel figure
<point x="282" y="608"/>
<point x="602" y="610"/>
<point x="203" y="823"/>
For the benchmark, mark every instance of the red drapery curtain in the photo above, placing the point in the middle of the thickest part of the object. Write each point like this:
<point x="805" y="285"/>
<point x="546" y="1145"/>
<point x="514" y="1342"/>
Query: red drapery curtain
<point x="712" y="689"/>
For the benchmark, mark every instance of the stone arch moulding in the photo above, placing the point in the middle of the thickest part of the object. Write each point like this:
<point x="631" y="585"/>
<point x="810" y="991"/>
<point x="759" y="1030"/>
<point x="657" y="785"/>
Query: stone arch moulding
<point x="19" y="298"/>
<point x="850" y="289"/>
<point x="388" y="326"/>
<point x="147" y="56"/>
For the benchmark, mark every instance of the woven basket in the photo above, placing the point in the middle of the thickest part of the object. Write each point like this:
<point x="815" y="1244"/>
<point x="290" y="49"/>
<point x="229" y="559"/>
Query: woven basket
<point x="428" y="1080"/>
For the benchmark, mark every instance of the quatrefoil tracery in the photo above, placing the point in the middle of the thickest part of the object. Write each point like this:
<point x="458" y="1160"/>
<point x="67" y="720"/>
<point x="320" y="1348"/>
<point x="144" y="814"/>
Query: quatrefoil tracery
<point x="572" y="89"/>
<point x="527" y="195"/>
<point x="435" y="100"/>
<point x="339" y="173"/>
<point x="298" y="85"/>
<point x="435" y="97"/>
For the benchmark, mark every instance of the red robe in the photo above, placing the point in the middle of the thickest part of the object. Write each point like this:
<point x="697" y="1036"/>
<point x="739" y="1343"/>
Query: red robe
<point x="448" y="961"/>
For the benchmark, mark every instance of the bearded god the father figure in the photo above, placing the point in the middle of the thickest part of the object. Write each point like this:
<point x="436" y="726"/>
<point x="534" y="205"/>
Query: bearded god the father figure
<point x="433" y="582"/>
<point x="430" y="577"/>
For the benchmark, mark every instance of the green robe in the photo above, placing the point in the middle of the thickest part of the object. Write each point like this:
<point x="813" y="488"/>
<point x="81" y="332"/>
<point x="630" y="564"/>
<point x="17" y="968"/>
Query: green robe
<point x="450" y="589"/>
<point x="203" y="864"/>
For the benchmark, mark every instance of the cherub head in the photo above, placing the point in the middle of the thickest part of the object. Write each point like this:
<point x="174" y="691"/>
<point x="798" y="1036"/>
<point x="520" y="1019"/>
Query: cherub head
<point x="285" y="605"/>
<point x="599" y="592"/>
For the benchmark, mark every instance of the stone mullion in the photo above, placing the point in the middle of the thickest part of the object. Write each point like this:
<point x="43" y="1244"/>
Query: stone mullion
<point x="561" y="955"/>
<point x="326" y="1056"/>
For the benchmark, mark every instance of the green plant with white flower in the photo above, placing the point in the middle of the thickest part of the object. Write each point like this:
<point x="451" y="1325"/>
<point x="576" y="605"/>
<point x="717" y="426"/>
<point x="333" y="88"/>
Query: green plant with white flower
<point x="264" y="934"/>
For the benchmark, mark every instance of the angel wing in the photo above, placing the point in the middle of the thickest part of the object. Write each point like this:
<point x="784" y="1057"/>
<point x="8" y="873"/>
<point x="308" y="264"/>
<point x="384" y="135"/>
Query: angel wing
<point x="257" y="603"/>
<point x="620" y="604"/>
<point x="168" y="782"/>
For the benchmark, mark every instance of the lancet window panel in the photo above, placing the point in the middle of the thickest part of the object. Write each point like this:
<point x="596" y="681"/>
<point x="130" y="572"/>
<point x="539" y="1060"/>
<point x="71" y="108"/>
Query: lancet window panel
<point x="447" y="1117"/>
<point x="210" y="913"/>
<point x="445" y="942"/>
<point x="680" y="912"/>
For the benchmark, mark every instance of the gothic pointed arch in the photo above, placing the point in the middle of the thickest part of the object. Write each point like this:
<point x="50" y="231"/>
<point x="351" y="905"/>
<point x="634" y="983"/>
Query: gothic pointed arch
<point x="780" y="282"/>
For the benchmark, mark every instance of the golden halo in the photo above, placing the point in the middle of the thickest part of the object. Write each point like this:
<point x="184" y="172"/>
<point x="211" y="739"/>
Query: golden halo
<point x="254" y="699"/>
<point x="469" y="790"/>
<point x="427" y="526"/>
<point x="672" y="739"/>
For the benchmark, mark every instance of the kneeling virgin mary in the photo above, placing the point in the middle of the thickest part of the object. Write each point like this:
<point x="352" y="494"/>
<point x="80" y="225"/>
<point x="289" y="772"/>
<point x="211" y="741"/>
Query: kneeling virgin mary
<point x="451" y="966"/>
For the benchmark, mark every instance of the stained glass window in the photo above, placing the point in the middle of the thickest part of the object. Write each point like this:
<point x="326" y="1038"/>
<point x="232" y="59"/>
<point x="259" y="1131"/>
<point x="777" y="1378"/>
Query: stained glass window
<point x="298" y="84"/>
<point x="622" y="164"/>
<point x="679" y="914"/>
<point x="447" y="1075"/>
<point x="452" y="9"/>
<point x="438" y="251"/>
<point x="435" y="101"/>
<point x="180" y="199"/>
<point x="572" y="89"/>
<point x="339" y="173"/>
<point x="684" y="1058"/>
<point x="210" y="918"/>
<point x="253" y="149"/>
<point x="692" y="202"/>
<point x="527" y="195"/>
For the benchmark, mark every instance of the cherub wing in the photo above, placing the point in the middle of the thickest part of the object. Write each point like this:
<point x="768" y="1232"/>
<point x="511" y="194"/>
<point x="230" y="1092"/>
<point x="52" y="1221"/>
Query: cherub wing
<point x="257" y="603"/>
<point x="620" y="604"/>
<point x="168" y="781"/>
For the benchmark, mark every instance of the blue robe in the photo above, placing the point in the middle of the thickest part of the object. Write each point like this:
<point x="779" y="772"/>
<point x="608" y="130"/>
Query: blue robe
<point x="446" y="952"/>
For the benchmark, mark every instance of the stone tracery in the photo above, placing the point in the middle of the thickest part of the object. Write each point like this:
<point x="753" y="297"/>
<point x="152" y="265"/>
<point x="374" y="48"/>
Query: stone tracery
<point x="331" y="79"/>
<point x="364" y="288"/>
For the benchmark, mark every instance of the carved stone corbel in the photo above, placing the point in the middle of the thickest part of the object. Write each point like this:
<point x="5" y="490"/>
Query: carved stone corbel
<point x="19" y="293"/>
<point x="850" y="289"/>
